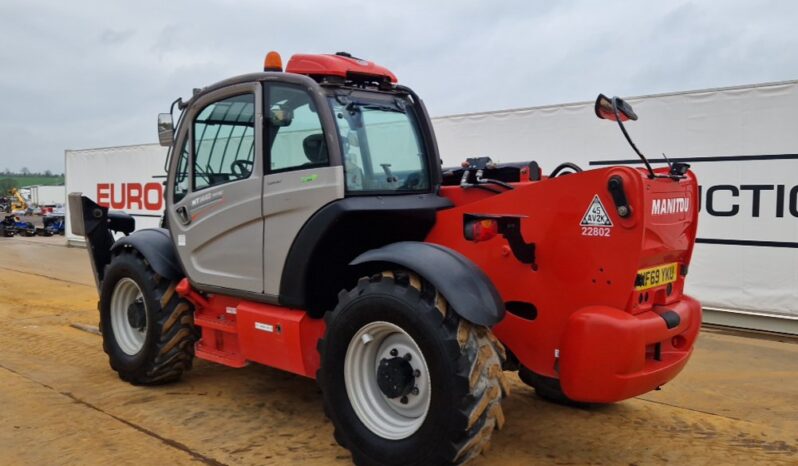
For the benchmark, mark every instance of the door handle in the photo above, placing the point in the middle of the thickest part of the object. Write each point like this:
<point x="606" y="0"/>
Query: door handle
<point x="182" y="215"/>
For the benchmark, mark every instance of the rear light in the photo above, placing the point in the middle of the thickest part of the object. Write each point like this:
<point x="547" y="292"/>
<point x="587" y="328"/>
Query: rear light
<point x="481" y="230"/>
<point x="482" y="227"/>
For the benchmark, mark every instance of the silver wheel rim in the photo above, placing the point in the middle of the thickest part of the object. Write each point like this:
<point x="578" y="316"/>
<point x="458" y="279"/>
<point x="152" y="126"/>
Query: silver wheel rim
<point x="129" y="338"/>
<point x="389" y="418"/>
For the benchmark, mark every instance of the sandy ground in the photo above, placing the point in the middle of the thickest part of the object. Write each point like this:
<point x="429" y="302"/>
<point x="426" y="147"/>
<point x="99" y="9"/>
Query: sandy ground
<point x="60" y="403"/>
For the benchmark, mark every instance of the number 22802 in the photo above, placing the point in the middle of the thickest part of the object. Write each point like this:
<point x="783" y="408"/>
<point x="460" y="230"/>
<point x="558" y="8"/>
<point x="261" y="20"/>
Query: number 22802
<point x="595" y="231"/>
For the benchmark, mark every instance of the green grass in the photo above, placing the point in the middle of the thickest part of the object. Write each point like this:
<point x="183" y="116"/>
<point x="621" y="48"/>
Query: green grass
<point x="9" y="181"/>
<point x="38" y="180"/>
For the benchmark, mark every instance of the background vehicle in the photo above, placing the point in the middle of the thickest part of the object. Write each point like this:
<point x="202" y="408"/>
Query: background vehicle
<point x="18" y="203"/>
<point x="53" y="224"/>
<point x="310" y="228"/>
<point x="13" y="225"/>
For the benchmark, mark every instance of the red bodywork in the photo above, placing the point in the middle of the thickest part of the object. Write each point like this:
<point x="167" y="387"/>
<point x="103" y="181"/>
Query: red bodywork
<point x="236" y="331"/>
<point x="603" y="339"/>
<point x="593" y="331"/>
<point x="336" y="65"/>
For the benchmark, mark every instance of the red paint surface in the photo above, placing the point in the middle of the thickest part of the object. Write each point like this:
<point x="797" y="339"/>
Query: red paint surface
<point x="593" y="330"/>
<point x="335" y="65"/>
<point x="235" y="332"/>
<point x="583" y="288"/>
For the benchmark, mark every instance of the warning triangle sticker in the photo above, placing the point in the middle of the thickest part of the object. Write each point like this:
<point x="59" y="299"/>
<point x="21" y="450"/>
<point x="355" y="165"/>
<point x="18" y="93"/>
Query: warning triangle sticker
<point x="596" y="214"/>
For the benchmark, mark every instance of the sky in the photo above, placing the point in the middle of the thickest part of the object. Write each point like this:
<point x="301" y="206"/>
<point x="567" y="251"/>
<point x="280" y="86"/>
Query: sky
<point x="95" y="73"/>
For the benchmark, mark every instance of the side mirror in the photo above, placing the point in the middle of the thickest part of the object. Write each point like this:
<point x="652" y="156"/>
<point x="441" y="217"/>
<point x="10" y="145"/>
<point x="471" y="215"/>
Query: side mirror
<point x="604" y="109"/>
<point x="166" y="130"/>
<point x="281" y="116"/>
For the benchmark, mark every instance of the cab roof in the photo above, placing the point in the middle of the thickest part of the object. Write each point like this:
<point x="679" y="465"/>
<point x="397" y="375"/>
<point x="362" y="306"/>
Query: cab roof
<point x="341" y="69"/>
<point x="341" y="64"/>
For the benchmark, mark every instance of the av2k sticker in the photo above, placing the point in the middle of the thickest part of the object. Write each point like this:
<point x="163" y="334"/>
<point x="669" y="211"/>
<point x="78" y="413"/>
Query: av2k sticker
<point x="596" y="221"/>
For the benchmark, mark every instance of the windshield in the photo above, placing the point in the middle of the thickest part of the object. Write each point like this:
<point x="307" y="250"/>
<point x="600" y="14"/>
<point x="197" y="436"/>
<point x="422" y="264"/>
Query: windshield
<point x="381" y="144"/>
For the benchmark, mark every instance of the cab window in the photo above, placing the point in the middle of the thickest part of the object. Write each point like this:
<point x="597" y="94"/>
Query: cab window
<point x="294" y="129"/>
<point x="224" y="142"/>
<point x="181" y="175"/>
<point x="382" y="147"/>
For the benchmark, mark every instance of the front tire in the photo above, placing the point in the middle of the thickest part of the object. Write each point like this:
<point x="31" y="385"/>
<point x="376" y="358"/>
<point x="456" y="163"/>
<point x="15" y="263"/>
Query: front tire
<point x="405" y="380"/>
<point x="148" y="329"/>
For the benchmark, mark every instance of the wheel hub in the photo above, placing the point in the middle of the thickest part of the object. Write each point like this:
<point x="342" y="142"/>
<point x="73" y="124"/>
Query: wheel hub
<point x="128" y="315"/>
<point x="136" y="315"/>
<point x="387" y="380"/>
<point x="395" y="377"/>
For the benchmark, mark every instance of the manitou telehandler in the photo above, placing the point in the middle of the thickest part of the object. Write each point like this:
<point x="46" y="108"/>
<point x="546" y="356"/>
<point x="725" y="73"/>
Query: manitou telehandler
<point x="310" y="227"/>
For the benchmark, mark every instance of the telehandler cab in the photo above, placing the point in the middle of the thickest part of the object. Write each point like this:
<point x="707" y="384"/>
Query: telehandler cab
<point x="310" y="227"/>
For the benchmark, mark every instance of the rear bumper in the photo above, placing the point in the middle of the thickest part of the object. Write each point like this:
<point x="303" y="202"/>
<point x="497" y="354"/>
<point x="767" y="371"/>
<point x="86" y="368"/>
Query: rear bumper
<point x="609" y="355"/>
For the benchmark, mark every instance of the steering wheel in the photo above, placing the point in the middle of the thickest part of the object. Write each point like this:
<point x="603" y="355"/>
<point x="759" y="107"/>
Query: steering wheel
<point x="241" y="168"/>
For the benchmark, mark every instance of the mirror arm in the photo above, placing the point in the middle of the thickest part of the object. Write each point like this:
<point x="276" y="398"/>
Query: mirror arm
<point x="179" y="103"/>
<point x="629" y="139"/>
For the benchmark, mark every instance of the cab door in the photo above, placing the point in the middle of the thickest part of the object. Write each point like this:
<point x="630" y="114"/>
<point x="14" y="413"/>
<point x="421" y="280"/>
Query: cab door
<point x="303" y="172"/>
<point x="215" y="211"/>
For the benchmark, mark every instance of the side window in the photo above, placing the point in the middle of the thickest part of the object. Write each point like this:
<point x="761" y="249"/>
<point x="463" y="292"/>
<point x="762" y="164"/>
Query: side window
<point x="297" y="140"/>
<point x="224" y="141"/>
<point x="181" y="175"/>
<point x="382" y="146"/>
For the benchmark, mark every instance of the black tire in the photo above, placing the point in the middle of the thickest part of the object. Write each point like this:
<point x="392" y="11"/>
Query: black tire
<point x="168" y="348"/>
<point x="464" y="363"/>
<point x="548" y="388"/>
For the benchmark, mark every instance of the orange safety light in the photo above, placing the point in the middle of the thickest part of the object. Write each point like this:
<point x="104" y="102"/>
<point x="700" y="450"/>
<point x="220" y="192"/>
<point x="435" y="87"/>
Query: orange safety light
<point x="273" y="62"/>
<point x="481" y="230"/>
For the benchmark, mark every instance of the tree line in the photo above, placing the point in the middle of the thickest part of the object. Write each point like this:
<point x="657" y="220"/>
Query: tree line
<point x="9" y="179"/>
<point x="24" y="171"/>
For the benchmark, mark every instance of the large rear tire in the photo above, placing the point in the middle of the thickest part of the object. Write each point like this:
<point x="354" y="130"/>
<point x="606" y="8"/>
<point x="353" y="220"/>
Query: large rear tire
<point x="405" y="380"/>
<point x="148" y="329"/>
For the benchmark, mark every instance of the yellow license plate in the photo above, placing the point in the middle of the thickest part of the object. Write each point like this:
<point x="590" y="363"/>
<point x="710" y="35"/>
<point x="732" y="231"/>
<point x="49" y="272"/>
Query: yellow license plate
<point x="655" y="276"/>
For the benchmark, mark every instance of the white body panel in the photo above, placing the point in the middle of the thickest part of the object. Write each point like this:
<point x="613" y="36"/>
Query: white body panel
<point x="47" y="195"/>
<point x="127" y="178"/>
<point x="289" y="200"/>
<point x="756" y="269"/>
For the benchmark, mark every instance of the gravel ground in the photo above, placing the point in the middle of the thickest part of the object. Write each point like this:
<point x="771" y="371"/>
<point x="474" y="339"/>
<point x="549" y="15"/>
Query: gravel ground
<point x="735" y="403"/>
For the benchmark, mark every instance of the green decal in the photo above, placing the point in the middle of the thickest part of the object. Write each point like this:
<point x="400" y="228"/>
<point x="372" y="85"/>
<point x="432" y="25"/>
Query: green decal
<point x="309" y="178"/>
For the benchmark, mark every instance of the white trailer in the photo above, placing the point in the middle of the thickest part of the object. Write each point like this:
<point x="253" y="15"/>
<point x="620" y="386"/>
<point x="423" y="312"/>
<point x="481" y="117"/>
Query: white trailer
<point x="742" y="142"/>
<point x="128" y="178"/>
<point x="41" y="196"/>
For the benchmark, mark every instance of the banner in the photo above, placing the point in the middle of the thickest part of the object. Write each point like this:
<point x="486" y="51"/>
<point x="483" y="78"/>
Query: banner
<point x="126" y="178"/>
<point x="741" y="142"/>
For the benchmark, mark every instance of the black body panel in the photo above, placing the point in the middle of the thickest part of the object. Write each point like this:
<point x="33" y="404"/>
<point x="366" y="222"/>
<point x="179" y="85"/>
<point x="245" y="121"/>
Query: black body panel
<point x="506" y="172"/>
<point x="468" y="290"/>
<point x="155" y="244"/>
<point x="91" y="221"/>
<point x="96" y="223"/>
<point x="317" y="266"/>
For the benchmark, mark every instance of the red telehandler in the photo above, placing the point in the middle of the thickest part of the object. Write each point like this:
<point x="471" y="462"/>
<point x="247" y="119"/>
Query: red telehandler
<point x="310" y="227"/>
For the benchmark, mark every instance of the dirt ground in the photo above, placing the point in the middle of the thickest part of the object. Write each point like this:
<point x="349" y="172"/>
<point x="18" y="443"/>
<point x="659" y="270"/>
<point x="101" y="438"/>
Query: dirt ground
<point x="60" y="403"/>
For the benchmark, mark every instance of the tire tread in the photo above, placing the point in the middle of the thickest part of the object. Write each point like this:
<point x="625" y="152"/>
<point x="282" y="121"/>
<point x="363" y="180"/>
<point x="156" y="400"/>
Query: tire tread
<point x="479" y="354"/>
<point x="173" y="351"/>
